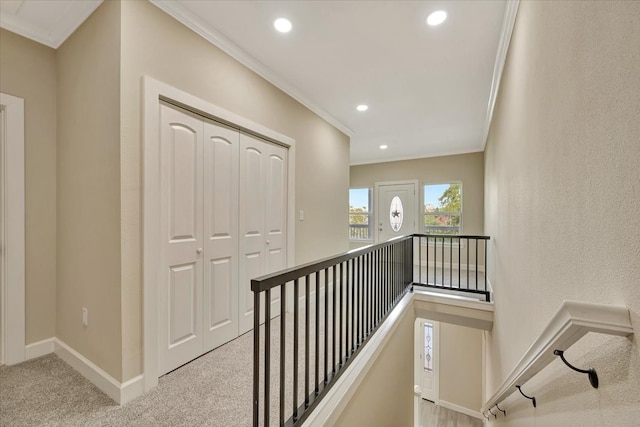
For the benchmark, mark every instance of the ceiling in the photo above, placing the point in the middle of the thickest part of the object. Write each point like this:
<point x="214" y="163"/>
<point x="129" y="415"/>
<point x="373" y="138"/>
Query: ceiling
<point x="429" y="89"/>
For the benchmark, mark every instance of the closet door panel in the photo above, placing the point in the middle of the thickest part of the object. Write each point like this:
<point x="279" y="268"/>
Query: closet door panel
<point x="252" y="223"/>
<point x="221" y="150"/>
<point x="180" y="287"/>
<point x="263" y="219"/>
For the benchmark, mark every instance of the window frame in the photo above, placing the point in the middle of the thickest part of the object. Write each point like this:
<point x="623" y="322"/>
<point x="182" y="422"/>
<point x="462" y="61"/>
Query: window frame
<point x="460" y="213"/>
<point x="368" y="214"/>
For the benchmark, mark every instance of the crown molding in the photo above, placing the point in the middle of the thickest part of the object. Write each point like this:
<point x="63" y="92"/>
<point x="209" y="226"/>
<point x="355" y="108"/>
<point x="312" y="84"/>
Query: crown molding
<point x="64" y="28"/>
<point x="193" y="22"/>
<point x="441" y="153"/>
<point x="508" y="22"/>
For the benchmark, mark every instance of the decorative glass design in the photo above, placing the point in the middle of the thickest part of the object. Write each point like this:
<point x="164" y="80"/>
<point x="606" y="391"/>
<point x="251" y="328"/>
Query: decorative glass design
<point x="395" y="213"/>
<point x="428" y="347"/>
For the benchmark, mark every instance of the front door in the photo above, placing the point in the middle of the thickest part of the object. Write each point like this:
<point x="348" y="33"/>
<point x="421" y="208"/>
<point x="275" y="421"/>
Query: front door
<point x="395" y="209"/>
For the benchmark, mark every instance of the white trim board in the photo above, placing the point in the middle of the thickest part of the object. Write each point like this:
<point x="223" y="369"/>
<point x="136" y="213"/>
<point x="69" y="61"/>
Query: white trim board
<point x="13" y="247"/>
<point x="73" y="18"/>
<point x="153" y="91"/>
<point x="121" y="393"/>
<point x="508" y="22"/>
<point x="39" y="348"/>
<point x="572" y="321"/>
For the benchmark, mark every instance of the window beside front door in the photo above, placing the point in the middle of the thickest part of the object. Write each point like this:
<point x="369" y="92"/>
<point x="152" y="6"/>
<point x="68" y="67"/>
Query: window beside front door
<point x="360" y="214"/>
<point x="443" y="209"/>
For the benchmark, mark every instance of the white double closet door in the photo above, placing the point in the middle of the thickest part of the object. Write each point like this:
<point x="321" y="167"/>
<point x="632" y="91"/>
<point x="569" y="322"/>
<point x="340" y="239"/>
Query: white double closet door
<point x="223" y="208"/>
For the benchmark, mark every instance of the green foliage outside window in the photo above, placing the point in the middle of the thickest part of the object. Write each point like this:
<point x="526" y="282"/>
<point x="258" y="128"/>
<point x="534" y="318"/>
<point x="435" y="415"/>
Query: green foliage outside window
<point x="444" y="218"/>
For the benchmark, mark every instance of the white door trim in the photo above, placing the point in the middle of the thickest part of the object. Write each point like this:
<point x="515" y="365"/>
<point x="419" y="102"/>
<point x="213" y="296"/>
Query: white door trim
<point x="376" y="197"/>
<point x="13" y="247"/>
<point x="153" y="92"/>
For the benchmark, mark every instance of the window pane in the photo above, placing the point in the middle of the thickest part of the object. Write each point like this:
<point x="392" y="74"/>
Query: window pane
<point x="442" y="208"/>
<point x="359" y="199"/>
<point x="428" y="347"/>
<point x="359" y="211"/>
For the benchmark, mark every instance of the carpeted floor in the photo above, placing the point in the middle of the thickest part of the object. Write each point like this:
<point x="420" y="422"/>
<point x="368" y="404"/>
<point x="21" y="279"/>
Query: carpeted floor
<point x="213" y="390"/>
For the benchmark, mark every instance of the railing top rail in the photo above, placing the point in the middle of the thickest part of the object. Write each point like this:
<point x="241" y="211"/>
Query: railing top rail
<point x="272" y="280"/>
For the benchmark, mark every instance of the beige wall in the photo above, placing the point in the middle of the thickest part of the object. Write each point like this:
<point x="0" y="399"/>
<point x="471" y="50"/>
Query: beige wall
<point x="562" y="201"/>
<point x="29" y="72"/>
<point x="385" y="396"/>
<point x="465" y="168"/>
<point x="88" y="190"/>
<point x="461" y="366"/>
<point x="156" y="45"/>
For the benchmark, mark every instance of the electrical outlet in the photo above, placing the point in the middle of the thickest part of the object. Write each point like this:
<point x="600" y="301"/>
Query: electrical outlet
<point x="85" y="317"/>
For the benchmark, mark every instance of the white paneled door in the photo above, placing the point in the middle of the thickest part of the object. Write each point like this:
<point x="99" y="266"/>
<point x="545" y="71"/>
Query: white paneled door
<point x="181" y="222"/>
<point x="223" y="216"/>
<point x="220" y="299"/>
<point x="263" y="208"/>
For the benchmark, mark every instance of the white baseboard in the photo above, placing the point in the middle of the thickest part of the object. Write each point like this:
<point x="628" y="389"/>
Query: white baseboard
<point x="40" y="348"/>
<point x="461" y="409"/>
<point x="121" y="393"/>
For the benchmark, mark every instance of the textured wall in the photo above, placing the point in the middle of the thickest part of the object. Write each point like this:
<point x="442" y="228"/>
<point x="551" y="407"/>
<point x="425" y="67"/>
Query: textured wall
<point x="562" y="190"/>
<point x="29" y="72"/>
<point x="88" y="190"/>
<point x="384" y="398"/>
<point x="461" y="366"/>
<point x="156" y="45"/>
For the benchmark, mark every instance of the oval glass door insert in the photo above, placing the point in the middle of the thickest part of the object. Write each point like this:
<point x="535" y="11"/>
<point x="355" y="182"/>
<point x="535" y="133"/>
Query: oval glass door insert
<point x="395" y="213"/>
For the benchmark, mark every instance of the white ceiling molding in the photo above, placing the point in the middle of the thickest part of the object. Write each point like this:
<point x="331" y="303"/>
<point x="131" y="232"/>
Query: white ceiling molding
<point x="53" y="37"/>
<point x="16" y="25"/>
<point x="441" y="153"/>
<point x="183" y="15"/>
<point x="508" y="22"/>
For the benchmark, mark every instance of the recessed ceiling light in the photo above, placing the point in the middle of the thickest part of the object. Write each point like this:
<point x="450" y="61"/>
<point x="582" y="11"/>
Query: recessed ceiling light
<point x="283" y="25"/>
<point x="362" y="107"/>
<point x="437" y="17"/>
<point x="383" y="147"/>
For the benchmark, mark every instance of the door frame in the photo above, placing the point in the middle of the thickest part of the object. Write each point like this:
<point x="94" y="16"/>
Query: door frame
<point x="154" y="91"/>
<point x="13" y="246"/>
<point x="376" y="198"/>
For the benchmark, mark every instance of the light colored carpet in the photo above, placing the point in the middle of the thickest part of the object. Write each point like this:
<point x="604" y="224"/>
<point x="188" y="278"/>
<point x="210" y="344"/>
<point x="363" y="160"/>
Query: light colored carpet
<point x="213" y="390"/>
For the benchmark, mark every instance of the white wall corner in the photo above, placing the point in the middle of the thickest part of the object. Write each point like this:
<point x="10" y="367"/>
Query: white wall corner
<point x="121" y="393"/>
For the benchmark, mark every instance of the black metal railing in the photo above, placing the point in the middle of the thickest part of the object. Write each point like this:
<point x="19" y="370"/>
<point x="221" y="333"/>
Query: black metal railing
<point x="319" y="335"/>
<point x="454" y="263"/>
<point x="359" y="231"/>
